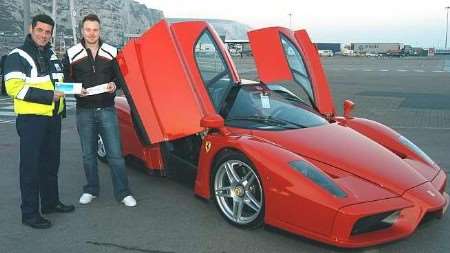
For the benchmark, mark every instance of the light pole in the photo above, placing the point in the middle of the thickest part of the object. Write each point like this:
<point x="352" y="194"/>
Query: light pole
<point x="73" y="13"/>
<point x="446" y="27"/>
<point x="26" y="16"/>
<point x="290" y="20"/>
<point x="54" y="26"/>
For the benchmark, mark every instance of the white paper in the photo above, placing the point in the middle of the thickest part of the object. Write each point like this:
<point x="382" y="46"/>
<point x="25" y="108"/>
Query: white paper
<point x="265" y="102"/>
<point x="102" y="88"/>
<point x="69" y="88"/>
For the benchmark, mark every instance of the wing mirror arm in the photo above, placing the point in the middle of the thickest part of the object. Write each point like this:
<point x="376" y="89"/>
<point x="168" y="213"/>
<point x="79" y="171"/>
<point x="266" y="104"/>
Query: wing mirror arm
<point x="214" y="121"/>
<point x="348" y="108"/>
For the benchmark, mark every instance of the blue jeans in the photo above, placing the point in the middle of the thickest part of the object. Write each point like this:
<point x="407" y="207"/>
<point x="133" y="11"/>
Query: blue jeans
<point x="103" y="121"/>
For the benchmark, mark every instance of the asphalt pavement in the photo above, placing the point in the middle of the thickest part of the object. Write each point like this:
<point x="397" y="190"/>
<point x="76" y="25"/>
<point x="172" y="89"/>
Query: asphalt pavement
<point x="411" y="95"/>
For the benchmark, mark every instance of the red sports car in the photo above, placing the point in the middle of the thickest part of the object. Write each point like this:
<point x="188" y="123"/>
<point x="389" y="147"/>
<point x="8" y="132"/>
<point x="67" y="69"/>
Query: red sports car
<point x="272" y="151"/>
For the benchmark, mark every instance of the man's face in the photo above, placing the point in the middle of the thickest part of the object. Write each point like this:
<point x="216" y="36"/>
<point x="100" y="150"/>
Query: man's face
<point x="91" y="31"/>
<point x="41" y="33"/>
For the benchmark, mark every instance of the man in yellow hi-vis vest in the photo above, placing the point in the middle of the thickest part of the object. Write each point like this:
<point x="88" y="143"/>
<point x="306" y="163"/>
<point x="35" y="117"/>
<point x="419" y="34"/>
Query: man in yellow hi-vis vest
<point x="31" y="71"/>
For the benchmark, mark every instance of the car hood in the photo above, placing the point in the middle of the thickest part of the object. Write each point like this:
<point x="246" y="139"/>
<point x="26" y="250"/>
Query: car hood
<point x="348" y="150"/>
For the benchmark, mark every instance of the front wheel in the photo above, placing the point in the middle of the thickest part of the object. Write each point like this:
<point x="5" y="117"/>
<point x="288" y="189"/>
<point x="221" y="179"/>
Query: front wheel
<point x="238" y="193"/>
<point x="101" y="150"/>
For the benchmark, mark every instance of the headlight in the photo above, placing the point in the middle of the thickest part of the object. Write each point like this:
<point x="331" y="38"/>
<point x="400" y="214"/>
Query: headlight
<point x="318" y="177"/>
<point x="416" y="149"/>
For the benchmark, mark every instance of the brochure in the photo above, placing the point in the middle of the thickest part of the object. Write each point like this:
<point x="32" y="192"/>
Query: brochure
<point x="69" y="88"/>
<point x="97" y="89"/>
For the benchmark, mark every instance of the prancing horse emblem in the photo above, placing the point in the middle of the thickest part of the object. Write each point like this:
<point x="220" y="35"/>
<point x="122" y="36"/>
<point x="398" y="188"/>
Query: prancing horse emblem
<point x="207" y="146"/>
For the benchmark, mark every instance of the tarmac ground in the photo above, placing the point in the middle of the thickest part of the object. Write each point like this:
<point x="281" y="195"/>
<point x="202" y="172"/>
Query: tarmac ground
<point x="411" y="95"/>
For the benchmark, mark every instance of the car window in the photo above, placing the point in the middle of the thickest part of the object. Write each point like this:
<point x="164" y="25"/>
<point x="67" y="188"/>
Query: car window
<point x="260" y="107"/>
<point x="298" y="68"/>
<point x="291" y="90"/>
<point x="213" y="69"/>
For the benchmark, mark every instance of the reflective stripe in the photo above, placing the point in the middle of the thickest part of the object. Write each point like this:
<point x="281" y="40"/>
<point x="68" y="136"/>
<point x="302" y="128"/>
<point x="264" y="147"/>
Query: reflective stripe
<point x="30" y="60"/>
<point x="23" y="92"/>
<point x="15" y="75"/>
<point x="37" y="80"/>
<point x="57" y="76"/>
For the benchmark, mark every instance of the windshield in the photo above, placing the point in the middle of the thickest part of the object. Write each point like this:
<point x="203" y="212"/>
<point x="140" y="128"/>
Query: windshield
<point x="267" y="107"/>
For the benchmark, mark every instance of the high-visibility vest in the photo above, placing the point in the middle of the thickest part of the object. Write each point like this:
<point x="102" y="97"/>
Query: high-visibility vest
<point x="32" y="92"/>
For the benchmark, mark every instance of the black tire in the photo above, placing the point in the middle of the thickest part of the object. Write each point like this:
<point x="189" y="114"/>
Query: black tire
<point x="237" y="190"/>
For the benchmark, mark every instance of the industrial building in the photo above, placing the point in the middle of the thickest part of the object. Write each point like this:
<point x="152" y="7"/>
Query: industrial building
<point x="376" y="48"/>
<point x="335" y="47"/>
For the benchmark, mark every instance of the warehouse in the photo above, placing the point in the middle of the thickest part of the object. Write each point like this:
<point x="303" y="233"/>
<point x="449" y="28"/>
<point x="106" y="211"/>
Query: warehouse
<point x="376" y="48"/>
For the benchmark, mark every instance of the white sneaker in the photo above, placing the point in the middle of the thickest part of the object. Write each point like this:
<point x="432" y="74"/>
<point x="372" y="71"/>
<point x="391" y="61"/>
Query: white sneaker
<point x="86" y="198"/>
<point x="129" y="201"/>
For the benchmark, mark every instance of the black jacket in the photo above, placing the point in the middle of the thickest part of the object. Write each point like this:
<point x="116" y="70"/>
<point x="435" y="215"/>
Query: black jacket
<point x="80" y="67"/>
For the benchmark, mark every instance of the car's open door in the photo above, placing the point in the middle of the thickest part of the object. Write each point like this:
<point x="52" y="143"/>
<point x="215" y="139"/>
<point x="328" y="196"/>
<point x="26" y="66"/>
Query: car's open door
<point x="165" y="75"/>
<point x="158" y="88"/>
<point x="282" y="55"/>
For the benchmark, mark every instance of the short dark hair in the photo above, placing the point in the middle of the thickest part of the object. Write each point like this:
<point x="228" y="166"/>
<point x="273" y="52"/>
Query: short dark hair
<point x="44" y="19"/>
<point x="90" y="17"/>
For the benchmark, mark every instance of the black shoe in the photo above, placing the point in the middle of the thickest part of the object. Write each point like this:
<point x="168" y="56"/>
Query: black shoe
<point x="37" y="222"/>
<point x="59" y="208"/>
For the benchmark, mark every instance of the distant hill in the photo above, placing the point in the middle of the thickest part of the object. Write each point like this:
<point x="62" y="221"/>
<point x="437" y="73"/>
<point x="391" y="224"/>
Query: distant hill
<point x="119" y="18"/>
<point x="232" y="30"/>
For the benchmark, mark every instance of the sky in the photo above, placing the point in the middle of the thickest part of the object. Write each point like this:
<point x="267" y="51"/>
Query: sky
<point x="414" y="22"/>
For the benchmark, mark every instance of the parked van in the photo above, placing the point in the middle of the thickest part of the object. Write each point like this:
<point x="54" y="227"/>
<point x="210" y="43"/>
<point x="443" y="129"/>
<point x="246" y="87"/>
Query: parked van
<point x="328" y="53"/>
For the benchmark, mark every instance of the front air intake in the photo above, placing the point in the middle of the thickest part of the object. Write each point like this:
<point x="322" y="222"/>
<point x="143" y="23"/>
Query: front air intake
<point x="375" y="222"/>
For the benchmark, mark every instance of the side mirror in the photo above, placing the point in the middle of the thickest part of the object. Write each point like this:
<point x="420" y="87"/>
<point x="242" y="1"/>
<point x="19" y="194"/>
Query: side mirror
<point x="348" y="107"/>
<point x="214" y="121"/>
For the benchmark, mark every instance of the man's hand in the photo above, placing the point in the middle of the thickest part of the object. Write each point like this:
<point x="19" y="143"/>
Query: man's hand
<point x="111" y="87"/>
<point x="83" y="93"/>
<point x="57" y="95"/>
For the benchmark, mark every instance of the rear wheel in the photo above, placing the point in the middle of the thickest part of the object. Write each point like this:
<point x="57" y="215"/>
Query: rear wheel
<point x="101" y="150"/>
<point x="237" y="189"/>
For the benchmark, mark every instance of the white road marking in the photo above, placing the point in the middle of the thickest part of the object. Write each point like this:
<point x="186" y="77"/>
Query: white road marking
<point x="6" y="121"/>
<point x="426" y="128"/>
<point x="388" y="70"/>
<point x="6" y="113"/>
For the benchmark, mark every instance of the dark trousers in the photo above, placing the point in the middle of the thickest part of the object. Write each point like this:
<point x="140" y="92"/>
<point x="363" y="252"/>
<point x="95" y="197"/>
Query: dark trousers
<point x="40" y="142"/>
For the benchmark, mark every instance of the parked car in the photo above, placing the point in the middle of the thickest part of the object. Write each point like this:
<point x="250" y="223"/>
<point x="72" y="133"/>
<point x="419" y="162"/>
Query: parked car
<point x="327" y="53"/>
<point x="373" y="55"/>
<point x="271" y="151"/>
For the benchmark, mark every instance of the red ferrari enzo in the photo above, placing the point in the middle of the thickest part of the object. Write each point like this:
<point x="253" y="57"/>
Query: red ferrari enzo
<point x="272" y="151"/>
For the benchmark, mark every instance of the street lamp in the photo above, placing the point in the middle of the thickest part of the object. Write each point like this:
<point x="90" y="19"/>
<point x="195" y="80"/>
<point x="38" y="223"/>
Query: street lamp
<point x="26" y="16"/>
<point x="446" y="28"/>
<point x="290" y="20"/>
